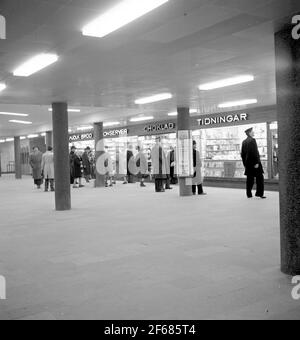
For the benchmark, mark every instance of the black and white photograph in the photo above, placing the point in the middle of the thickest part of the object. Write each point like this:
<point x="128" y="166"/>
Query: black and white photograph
<point x="149" y="163"/>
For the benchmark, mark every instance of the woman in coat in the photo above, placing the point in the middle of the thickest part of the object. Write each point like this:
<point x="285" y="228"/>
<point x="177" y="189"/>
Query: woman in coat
<point x="35" y="161"/>
<point x="87" y="168"/>
<point x="76" y="168"/>
<point x="48" y="169"/>
<point x="141" y="166"/>
<point x="197" y="180"/>
<point x="159" y="166"/>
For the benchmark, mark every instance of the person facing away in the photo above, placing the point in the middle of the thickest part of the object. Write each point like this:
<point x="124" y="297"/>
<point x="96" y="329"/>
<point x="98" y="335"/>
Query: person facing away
<point x="141" y="166"/>
<point x="159" y="163"/>
<point x="35" y="161"/>
<point x="253" y="166"/>
<point x="48" y="169"/>
<point x="87" y="166"/>
<point x="197" y="164"/>
<point x="75" y="168"/>
<point x="129" y="158"/>
<point x="172" y="163"/>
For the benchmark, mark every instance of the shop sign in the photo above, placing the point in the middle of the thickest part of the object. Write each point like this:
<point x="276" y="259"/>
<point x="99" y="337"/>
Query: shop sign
<point x="225" y="119"/>
<point x="116" y="133"/>
<point x="160" y="127"/>
<point x="296" y="29"/>
<point x="81" y="137"/>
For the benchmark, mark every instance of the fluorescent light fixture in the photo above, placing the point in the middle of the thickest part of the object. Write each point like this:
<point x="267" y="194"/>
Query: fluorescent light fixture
<point x="32" y="136"/>
<point x="43" y="134"/>
<point x="238" y="103"/>
<point x="9" y="140"/>
<point x="85" y="128"/>
<point x="226" y="82"/>
<point x="122" y="14"/>
<point x="154" y="99"/>
<point x="141" y="119"/>
<point x="69" y="110"/>
<point x="22" y="138"/>
<point x="2" y="140"/>
<point x="111" y="124"/>
<point x="20" y="122"/>
<point x="35" y="64"/>
<point x="2" y="87"/>
<point x="13" y="114"/>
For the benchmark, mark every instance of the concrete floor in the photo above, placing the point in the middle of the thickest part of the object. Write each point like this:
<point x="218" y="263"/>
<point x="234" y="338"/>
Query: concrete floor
<point x="127" y="253"/>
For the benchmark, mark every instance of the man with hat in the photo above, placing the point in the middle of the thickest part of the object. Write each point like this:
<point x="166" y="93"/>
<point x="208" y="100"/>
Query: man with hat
<point x="254" y="169"/>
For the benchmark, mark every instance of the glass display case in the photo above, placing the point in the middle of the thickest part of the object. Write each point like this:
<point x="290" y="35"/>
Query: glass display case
<point x="221" y="149"/>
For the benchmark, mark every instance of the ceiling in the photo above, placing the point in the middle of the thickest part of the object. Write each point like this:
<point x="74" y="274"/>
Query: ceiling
<point x="172" y="49"/>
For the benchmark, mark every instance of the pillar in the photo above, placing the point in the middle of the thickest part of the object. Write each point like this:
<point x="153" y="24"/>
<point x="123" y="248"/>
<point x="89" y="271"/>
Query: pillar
<point x="49" y="139"/>
<point x="184" y="123"/>
<point x="287" y="53"/>
<point x="61" y="156"/>
<point x="18" y="163"/>
<point x="99" y="151"/>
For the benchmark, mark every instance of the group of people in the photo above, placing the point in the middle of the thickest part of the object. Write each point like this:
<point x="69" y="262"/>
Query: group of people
<point x="42" y="168"/>
<point x="163" y="167"/>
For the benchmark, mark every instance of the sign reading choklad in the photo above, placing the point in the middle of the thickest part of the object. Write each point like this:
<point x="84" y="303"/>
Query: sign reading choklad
<point x="223" y="119"/>
<point x="160" y="127"/>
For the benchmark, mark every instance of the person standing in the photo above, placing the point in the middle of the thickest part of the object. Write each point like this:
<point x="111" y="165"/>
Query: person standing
<point x="159" y="163"/>
<point x="75" y="166"/>
<point x="253" y="166"/>
<point x="35" y="161"/>
<point x="48" y="169"/>
<point x="142" y="166"/>
<point x="129" y="159"/>
<point x="172" y="163"/>
<point x="197" y="164"/>
<point x="108" y="168"/>
<point x="87" y="167"/>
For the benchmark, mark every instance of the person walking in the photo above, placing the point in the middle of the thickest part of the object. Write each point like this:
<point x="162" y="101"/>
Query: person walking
<point x="197" y="179"/>
<point x="75" y="167"/>
<point x="159" y="163"/>
<point x="48" y="169"/>
<point x="86" y="162"/>
<point x="253" y="166"/>
<point x="141" y="166"/>
<point x="35" y="161"/>
<point x="129" y="159"/>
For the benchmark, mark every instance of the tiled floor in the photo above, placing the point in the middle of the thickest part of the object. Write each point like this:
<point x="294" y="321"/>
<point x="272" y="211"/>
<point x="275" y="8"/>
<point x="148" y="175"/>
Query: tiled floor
<point x="127" y="253"/>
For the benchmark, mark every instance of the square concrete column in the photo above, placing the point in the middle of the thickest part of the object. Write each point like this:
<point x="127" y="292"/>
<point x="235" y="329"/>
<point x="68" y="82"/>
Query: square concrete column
<point x="184" y="124"/>
<point x="287" y="52"/>
<point x="49" y="139"/>
<point x="17" y="150"/>
<point x="61" y="156"/>
<point x="99" y="152"/>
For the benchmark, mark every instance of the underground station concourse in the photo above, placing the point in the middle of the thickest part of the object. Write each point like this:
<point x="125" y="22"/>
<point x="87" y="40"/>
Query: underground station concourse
<point x="112" y="74"/>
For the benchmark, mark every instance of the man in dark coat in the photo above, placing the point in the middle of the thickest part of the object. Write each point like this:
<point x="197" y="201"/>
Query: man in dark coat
<point x="87" y="169"/>
<point x="35" y="161"/>
<point x="254" y="169"/>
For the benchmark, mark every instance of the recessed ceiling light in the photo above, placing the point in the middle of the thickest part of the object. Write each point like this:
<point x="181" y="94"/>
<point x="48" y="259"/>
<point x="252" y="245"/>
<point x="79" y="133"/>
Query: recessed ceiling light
<point x="22" y="138"/>
<point x="2" y="140"/>
<point x="14" y="114"/>
<point x="226" y="82"/>
<point x="119" y="16"/>
<point x="238" y="103"/>
<point x="43" y="134"/>
<point x="154" y="99"/>
<point x="85" y="128"/>
<point x="35" y="64"/>
<point x="69" y="110"/>
<point x="175" y="114"/>
<point x="111" y="124"/>
<point x="2" y="87"/>
<point x="141" y="119"/>
<point x="20" y="122"/>
<point x="9" y="139"/>
<point x="32" y="136"/>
